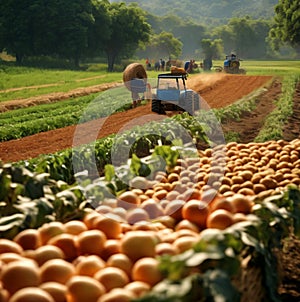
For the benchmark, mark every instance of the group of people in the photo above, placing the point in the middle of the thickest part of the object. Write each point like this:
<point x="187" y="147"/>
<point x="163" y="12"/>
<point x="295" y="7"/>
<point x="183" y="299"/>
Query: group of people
<point x="159" y="65"/>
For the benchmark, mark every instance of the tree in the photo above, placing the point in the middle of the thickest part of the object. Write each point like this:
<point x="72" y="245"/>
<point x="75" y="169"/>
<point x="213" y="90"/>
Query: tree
<point x="128" y="29"/>
<point x="287" y="24"/>
<point x="39" y="27"/>
<point x="212" y="49"/>
<point x="164" y="45"/>
<point x="15" y="28"/>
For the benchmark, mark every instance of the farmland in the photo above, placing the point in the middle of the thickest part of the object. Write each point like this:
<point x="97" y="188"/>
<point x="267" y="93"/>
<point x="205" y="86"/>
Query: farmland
<point x="212" y="206"/>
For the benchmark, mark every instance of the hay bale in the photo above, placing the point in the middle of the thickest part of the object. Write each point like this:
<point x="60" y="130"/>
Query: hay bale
<point x="133" y="72"/>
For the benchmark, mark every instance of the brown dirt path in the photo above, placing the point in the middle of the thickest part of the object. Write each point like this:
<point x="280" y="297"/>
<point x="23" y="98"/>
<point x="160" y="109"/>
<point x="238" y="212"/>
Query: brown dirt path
<point x="217" y="90"/>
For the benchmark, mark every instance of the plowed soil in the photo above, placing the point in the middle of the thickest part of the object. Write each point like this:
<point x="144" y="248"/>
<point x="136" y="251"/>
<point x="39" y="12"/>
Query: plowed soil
<point x="218" y="90"/>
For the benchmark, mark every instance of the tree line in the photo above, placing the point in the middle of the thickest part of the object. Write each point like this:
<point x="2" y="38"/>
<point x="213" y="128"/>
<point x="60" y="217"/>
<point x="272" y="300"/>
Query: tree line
<point x="80" y="29"/>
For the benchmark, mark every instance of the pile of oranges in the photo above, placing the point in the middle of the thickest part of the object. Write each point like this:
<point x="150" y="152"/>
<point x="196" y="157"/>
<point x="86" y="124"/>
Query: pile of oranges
<point x="112" y="254"/>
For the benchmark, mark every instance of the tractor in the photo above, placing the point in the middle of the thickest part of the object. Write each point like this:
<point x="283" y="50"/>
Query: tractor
<point x="231" y="65"/>
<point x="172" y="95"/>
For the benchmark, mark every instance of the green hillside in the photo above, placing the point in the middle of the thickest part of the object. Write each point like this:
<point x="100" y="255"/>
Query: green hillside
<point x="209" y="11"/>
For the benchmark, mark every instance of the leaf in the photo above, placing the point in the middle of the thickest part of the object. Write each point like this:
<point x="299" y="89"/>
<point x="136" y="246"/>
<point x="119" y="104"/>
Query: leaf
<point x="199" y="258"/>
<point x="109" y="172"/>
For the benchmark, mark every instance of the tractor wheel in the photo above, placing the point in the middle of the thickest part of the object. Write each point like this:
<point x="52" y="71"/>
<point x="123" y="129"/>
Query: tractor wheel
<point x="157" y="107"/>
<point x="189" y="104"/>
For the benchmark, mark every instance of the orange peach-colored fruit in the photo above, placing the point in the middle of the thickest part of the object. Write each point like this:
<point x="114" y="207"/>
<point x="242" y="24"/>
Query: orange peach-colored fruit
<point x="9" y="257"/>
<point x="220" y="219"/>
<point x="112" y="277"/>
<point x="222" y="203"/>
<point x="4" y="295"/>
<point x="138" y="288"/>
<point x="174" y="209"/>
<point x="56" y="270"/>
<point x="121" y="261"/>
<point x="109" y="226"/>
<point x="147" y="270"/>
<point x="9" y="246"/>
<point x="89" y="265"/>
<point x="90" y="242"/>
<point x="89" y="218"/>
<point x="241" y="203"/>
<point x="165" y="248"/>
<point x="29" y="294"/>
<point x="185" y="243"/>
<point x="187" y="225"/>
<point x="19" y="274"/>
<point x="75" y="227"/>
<point x="48" y="252"/>
<point x="128" y="200"/>
<point x="28" y="239"/>
<point x="66" y="242"/>
<point x="111" y="247"/>
<point x="136" y="215"/>
<point x="196" y="211"/>
<point x="84" y="288"/>
<point x="138" y="244"/>
<point x="239" y="217"/>
<point x="56" y="290"/>
<point x="117" y="295"/>
<point x="49" y="230"/>
<point x="153" y="208"/>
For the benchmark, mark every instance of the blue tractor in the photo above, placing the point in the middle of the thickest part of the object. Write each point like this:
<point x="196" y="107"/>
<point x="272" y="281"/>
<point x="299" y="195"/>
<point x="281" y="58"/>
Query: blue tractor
<point x="172" y="95"/>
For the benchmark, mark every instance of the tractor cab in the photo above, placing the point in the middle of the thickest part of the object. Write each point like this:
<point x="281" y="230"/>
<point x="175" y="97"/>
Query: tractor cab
<point x="173" y="95"/>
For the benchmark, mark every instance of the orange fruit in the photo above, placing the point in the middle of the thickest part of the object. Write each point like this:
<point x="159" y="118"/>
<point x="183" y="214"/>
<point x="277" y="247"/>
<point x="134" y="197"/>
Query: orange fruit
<point x="89" y="265"/>
<point x="136" y="215"/>
<point x="117" y="295"/>
<point x="56" y="270"/>
<point x="146" y="270"/>
<point x="220" y="219"/>
<point x="28" y="239"/>
<point x="9" y="257"/>
<point x="48" y="252"/>
<point x="196" y="211"/>
<point x="138" y="288"/>
<point x="4" y="295"/>
<point x="84" y="288"/>
<point x="109" y="226"/>
<point x="187" y="225"/>
<point x="173" y="209"/>
<point x="121" y="261"/>
<point x="90" y="242"/>
<point x="56" y="290"/>
<point x="241" y="203"/>
<point x="49" y="230"/>
<point x="89" y="218"/>
<point x="185" y="243"/>
<point x="75" y="227"/>
<point x="128" y="200"/>
<point x="30" y="294"/>
<point x="19" y="274"/>
<point x="138" y="244"/>
<point x="66" y="242"/>
<point x="112" y="277"/>
<point x="9" y="246"/>
<point x="166" y="248"/>
<point x="111" y="247"/>
<point x="238" y="217"/>
<point x="222" y="203"/>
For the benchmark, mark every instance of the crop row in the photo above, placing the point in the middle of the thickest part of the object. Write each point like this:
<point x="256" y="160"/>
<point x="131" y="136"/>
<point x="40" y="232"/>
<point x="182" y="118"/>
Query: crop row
<point x="28" y="121"/>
